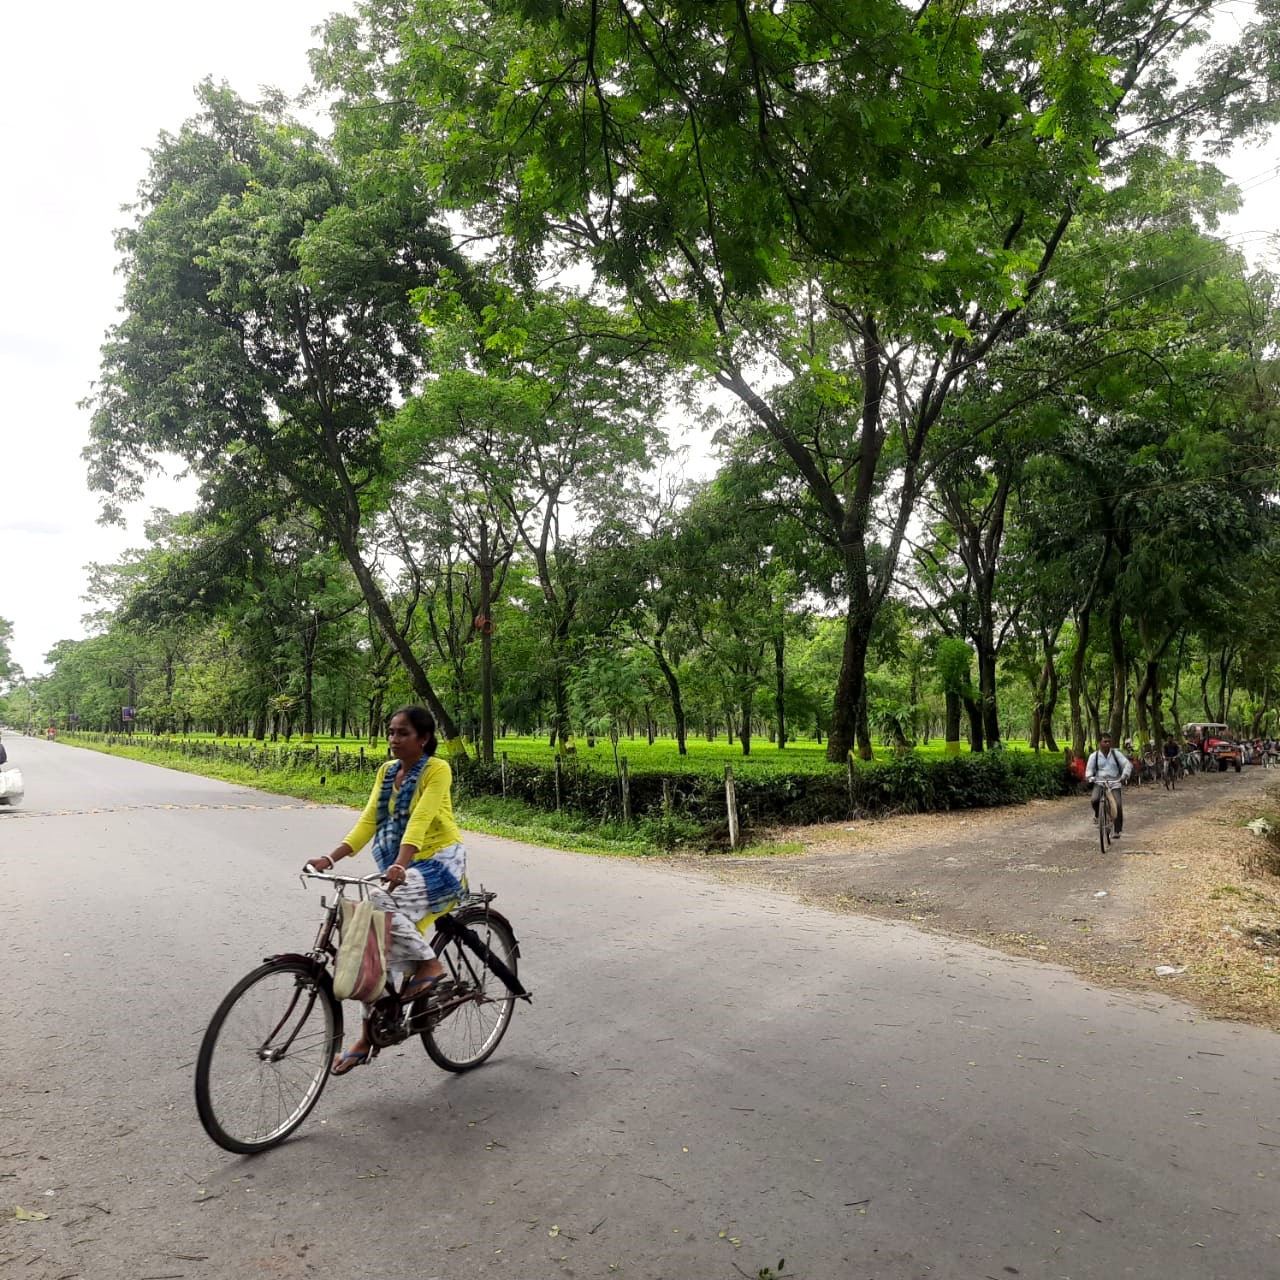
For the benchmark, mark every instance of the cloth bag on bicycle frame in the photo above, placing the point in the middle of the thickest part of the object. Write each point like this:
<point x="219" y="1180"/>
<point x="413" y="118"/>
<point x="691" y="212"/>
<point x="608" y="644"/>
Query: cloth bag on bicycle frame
<point x="360" y="970"/>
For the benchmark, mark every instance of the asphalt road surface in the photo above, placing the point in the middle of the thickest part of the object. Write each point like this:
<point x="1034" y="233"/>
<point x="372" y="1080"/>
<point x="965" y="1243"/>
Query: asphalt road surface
<point x="709" y="1080"/>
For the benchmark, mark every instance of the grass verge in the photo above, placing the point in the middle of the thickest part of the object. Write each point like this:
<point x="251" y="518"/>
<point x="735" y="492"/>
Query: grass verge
<point x="1216" y="916"/>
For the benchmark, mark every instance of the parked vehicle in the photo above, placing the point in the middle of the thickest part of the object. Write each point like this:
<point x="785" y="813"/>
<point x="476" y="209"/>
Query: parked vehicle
<point x="1219" y="748"/>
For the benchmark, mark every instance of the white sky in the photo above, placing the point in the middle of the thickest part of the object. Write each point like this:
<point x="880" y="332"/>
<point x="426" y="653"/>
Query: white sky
<point x="85" y="90"/>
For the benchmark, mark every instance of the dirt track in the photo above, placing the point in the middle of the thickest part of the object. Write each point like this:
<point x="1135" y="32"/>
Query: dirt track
<point x="1029" y="879"/>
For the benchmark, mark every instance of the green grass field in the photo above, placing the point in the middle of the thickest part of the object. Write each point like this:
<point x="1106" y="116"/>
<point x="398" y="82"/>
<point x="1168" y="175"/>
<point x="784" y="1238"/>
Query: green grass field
<point x="661" y="756"/>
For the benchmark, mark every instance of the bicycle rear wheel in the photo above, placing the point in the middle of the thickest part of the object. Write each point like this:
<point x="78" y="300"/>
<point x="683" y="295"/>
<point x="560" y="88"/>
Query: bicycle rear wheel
<point x="465" y="1024"/>
<point x="265" y="1058"/>
<point x="1104" y="821"/>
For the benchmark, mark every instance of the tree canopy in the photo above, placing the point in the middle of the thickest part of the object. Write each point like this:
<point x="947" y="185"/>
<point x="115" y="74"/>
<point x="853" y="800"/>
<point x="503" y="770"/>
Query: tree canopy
<point x="990" y="401"/>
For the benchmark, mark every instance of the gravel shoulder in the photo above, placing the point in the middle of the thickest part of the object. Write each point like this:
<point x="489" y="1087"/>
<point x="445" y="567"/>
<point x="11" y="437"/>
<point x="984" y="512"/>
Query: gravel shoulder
<point x="1186" y="889"/>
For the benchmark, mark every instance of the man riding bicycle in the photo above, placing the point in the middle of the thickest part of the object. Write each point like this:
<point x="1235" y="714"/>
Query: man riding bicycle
<point x="1107" y="768"/>
<point x="1172" y="754"/>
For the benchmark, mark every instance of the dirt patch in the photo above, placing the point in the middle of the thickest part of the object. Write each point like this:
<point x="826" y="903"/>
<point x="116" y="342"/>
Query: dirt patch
<point x="1181" y="903"/>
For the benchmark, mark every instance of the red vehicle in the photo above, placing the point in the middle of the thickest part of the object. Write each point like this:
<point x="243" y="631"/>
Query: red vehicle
<point x="1217" y="746"/>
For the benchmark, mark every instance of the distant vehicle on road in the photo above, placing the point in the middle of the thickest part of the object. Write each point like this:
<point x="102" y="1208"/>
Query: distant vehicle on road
<point x="1218" y="747"/>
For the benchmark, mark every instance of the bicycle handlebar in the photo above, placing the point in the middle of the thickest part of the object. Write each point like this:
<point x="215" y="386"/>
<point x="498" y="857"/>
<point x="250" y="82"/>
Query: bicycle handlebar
<point x="307" y="874"/>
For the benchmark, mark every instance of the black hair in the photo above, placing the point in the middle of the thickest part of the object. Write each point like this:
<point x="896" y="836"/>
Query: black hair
<point x="423" y="723"/>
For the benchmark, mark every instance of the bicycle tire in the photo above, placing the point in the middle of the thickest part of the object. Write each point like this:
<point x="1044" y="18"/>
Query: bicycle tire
<point x="261" y="1068"/>
<point x="1104" y="836"/>
<point x="466" y="1025"/>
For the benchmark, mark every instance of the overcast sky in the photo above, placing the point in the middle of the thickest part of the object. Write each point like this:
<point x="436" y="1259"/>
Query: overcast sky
<point x="85" y="90"/>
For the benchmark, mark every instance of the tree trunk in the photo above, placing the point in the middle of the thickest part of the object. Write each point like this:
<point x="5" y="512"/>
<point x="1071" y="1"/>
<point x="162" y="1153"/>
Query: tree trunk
<point x="484" y="570"/>
<point x="1140" y="696"/>
<point x="848" y="713"/>
<point x="1224" y="668"/>
<point x="673" y="688"/>
<point x="1075" y="687"/>
<point x="973" y="709"/>
<point x="987" y="691"/>
<point x="381" y="611"/>
<point x="1050" y="701"/>
<point x="1119" y="672"/>
<point x="745" y="732"/>
<point x="1157" y="716"/>
<point x="780" y="687"/>
<point x="1177" y="678"/>
<point x="561" y="732"/>
<point x="310" y="638"/>
<point x="952" y="730"/>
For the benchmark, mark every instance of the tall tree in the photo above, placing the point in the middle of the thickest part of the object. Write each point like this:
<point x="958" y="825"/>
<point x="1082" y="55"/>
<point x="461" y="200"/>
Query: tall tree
<point x="852" y="202"/>
<point x="267" y="331"/>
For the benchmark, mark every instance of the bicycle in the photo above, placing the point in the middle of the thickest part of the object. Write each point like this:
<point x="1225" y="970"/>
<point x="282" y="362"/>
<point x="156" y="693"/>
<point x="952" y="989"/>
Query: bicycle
<point x="1105" y="814"/>
<point x="1172" y="767"/>
<point x="266" y="1055"/>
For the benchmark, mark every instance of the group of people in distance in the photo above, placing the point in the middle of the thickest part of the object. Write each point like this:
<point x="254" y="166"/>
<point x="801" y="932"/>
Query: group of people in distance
<point x="1110" y="765"/>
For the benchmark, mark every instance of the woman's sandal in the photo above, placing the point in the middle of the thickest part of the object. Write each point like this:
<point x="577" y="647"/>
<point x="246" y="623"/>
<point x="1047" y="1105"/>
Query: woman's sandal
<point x="349" y="1061"/>
<point x="416" y="988"/>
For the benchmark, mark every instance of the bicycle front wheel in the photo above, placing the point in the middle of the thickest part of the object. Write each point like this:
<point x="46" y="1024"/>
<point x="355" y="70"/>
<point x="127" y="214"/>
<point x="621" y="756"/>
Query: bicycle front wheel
<point x="464" y="1025"/>
<point x="265" y="1058"/>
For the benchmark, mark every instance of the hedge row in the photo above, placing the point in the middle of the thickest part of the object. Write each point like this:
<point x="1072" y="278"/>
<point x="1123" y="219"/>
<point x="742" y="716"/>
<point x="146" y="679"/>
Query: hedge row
<point x="780" y="797"/>
<point x="908" y="785"/>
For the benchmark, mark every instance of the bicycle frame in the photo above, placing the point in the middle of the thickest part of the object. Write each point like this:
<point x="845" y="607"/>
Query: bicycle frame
<point x="324" y="950"/>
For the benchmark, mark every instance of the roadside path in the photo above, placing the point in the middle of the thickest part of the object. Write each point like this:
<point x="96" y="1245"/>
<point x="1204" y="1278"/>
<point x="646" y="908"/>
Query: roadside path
<point x="1029" y="878"/>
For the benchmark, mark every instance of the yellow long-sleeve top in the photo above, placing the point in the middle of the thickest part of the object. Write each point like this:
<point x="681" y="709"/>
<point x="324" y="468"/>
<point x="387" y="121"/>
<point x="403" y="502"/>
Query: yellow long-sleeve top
<point x="431" y="826"/>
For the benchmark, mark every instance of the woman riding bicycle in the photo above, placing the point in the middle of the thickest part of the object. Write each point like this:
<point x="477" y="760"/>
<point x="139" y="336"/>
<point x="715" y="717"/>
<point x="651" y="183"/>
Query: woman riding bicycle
<point x="417" y="846"/>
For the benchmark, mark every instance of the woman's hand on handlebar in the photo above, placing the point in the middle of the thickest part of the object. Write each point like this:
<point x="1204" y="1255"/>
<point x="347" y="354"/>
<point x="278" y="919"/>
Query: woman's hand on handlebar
<point x="394" y="876"/>
<point x="315" y="863"/>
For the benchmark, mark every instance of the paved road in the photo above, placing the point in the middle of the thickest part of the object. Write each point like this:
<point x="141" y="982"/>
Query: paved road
<point x="708" y="1081"/>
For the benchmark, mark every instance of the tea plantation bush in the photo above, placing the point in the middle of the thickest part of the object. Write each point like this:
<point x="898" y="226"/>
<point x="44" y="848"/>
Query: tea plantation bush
<point x="908" y="785"/>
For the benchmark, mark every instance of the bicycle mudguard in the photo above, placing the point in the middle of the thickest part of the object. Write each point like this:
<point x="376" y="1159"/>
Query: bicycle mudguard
<point x="448" y="927"/>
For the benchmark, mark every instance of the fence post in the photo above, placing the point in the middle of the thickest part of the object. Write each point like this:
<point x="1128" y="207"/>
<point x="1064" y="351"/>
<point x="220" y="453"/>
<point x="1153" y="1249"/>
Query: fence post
<point x="731" y="803"/>
<point x="504" y="775"/>
<point x="559" y="780"/>
<point x="317" y="757"/>
<point x="624" y="776"/>
<point x="666" y="797"/>
<point x="362" y="757"/>
<point x="853" y="809"/>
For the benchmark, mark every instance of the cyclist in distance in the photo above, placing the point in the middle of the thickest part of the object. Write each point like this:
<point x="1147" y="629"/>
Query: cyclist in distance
<point x="1108" y="765"/>
<point x="417" y="847"/>
<point x="1172" y="751"/>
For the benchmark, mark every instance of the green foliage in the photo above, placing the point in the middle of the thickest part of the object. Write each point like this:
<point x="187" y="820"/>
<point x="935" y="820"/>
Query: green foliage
<point x="1006" y="408"/>
<point x="781" y="796"/>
